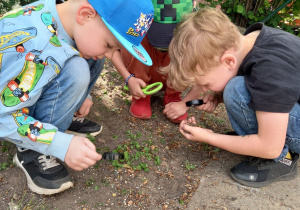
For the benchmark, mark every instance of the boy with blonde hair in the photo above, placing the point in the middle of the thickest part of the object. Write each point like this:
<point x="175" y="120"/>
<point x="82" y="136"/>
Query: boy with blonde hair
<point x="257" y="75"/>
<point x="45" y="78"/>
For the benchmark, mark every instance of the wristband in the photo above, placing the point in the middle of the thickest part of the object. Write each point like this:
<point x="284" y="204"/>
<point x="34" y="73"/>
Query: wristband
<point x="126" y="82"/>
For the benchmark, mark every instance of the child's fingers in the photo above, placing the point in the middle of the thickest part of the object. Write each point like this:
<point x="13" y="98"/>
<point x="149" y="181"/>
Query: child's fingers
<point x="92" y="154"/>
<point x="136" y="97"/>
<point x="191" y="120"/>
<point x="87" y="162"/>
<point x="185" y="130"/>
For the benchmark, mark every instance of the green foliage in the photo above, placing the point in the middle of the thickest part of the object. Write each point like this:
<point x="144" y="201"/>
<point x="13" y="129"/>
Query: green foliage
<point x="136" y="155"/>
<point x="189" y="166"/>
<point x="7" y="5"/>
<point x="246" y="12"/>
<point x="91" y="138"/>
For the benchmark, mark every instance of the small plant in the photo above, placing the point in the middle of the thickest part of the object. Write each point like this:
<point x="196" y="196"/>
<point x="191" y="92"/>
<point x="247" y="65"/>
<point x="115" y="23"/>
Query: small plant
<point x="5" y="146"/>
<point x="105" y="182"/>
<point x="133" y="136"/>
<point x="91" y="138"/>
<point x="114" y="74"/>
<point x="124" y="191"/>
<point x="4" y="166"/>
<point x="157" y="160"/>
<point x="89" y="182"/>
<point x="127" y="102"/>
<point x="153" y="116"/>
<point x="136" y="155"/>
<point x="189" y="166"/>
<point x="103" y="74"/>
<point x="205" y="146"/>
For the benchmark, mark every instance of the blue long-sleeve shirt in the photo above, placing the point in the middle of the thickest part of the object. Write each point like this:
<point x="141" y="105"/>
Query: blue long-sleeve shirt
<point x="33" y="49"/>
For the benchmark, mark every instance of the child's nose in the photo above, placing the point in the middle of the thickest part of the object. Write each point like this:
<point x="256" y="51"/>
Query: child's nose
<point x="109" y="54"/>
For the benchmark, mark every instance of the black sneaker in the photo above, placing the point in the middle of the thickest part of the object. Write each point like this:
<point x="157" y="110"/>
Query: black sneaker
<point x="258" y="172"/>
<point x="45" y="174"/>
<point x="81" y="127"/>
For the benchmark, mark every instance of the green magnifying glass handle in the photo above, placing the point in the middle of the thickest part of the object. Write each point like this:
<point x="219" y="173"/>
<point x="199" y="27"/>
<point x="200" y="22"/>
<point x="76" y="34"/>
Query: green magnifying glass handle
<point x="150" y="89"/>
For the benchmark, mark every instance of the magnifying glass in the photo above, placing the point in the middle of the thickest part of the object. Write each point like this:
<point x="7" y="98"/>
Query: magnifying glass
<point x="112" y="156"/>
<point x="150" y="89"/>
<point x="194" y="103"/>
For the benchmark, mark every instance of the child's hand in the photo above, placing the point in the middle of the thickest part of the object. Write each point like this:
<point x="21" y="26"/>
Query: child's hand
<point x="135" y="85"/>
<point x="81" y="154"/>
<point x="210" y="102"/>
<point x="174" y="110"/>
<point x="85" y="108"/>
<point x="193" y="133"/>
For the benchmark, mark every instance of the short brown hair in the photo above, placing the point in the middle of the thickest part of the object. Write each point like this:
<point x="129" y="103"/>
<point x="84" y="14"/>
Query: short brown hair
<point x="201" y="38"/>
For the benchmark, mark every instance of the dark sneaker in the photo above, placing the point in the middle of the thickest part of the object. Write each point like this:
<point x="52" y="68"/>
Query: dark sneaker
<point x="258" y="172"/>
<point x="81" y="127"/>
<point x="45" y="174"/>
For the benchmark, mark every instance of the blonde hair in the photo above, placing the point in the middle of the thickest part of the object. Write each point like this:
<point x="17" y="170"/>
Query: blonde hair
<point x="201" y="38"/>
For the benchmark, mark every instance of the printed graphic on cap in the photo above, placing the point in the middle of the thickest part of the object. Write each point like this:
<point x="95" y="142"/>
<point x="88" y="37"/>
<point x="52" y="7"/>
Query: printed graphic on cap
<point x="139" y="53"/>
<point x="141" y="26"/>
<point x="166" y="11"/>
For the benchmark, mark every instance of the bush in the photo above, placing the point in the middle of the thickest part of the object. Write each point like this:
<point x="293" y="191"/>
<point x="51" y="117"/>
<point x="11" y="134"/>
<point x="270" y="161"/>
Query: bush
<point x="246" y="12"/>
<point x="7" y="5"/>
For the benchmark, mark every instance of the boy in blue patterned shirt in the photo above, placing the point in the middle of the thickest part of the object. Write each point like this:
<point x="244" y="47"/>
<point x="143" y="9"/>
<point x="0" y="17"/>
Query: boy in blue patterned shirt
<point x="45" y="78"/>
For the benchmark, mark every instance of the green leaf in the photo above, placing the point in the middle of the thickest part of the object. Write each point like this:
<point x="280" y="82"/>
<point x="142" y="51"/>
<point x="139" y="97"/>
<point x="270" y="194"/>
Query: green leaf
<point x="240" y="9"/>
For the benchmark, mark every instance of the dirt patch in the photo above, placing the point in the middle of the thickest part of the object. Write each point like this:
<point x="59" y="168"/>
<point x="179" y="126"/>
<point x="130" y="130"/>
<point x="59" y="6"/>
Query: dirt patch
<point x="162" y="170"/>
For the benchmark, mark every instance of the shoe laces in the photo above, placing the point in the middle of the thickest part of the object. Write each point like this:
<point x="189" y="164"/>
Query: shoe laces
<point x="255" y="161"/>
<point x="79" y="119"/>
<point x="48" y="161"/>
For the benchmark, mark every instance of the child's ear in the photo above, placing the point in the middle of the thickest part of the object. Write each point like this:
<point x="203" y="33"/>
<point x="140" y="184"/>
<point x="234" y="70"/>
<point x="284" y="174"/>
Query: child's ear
<point x="229" y="60"/>
<point x="84" y="13"/>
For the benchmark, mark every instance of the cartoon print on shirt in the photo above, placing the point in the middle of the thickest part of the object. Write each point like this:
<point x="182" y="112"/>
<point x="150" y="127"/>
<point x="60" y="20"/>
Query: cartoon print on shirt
<point x="1" y="55"/>
<point x="21" y="117"/>
<point x="25" y="11"/>
<point x="51" y="24"/>
<point x="35" y="132"/>
<point x="15" y="39"/>
<point x="50" y="61"/>
<point x="18" y="89"/>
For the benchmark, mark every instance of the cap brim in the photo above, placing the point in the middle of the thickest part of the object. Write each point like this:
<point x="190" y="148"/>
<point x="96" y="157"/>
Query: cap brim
<point x="137" y="51"/>
<point x="161" y="34"/>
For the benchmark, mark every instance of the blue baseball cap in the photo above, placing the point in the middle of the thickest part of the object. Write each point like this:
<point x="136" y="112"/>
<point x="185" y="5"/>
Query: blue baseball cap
<point x="129" y="21"/>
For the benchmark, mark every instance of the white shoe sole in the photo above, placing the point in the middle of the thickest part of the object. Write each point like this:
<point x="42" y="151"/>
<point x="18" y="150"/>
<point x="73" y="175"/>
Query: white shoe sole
<point x="33" y="187"/>
<point x="84" y="134"/>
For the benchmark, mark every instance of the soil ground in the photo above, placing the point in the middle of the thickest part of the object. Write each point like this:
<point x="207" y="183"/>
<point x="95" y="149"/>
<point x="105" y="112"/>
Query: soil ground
<point x="167" y="172"/>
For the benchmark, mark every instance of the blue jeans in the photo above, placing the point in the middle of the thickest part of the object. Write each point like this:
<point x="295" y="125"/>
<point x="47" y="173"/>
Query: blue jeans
<point x="243" y="119"/>
<point x="65" y="94"/>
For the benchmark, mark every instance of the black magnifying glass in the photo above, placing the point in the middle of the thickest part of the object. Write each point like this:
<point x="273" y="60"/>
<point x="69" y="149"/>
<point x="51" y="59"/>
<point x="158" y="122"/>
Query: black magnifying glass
<point x="112" y="156"/>
<point x="194" y="103"/>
